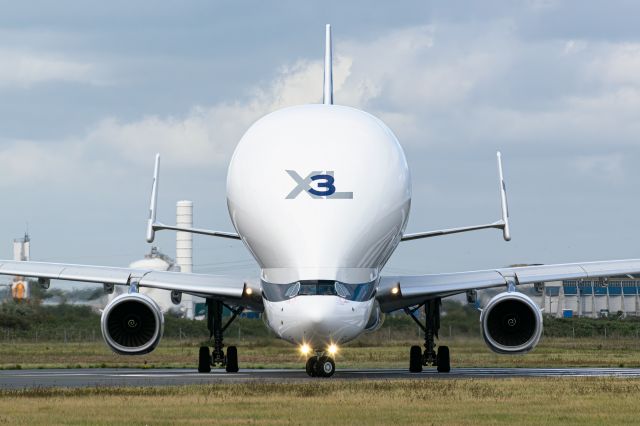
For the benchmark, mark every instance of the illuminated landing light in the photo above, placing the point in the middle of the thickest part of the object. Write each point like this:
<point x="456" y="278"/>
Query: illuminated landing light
<point x="248" y="291"/>
<point x="395" y="290"/>
<point x="333" y="349"/>
<point x="305" y="349"/>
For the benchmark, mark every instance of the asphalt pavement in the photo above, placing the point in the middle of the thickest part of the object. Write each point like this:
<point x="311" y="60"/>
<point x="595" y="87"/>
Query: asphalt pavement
<point x="20" y="379"/>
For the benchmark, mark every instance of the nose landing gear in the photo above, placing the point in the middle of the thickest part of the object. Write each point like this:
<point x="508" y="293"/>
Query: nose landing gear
<point x="322" y="366"/>
<point x="418" y="359"/>
<point x="217" y="356"/>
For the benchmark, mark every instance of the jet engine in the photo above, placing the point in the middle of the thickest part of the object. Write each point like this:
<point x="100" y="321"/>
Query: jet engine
<point x="511" y="323"/>
<point x="132" y="324"/>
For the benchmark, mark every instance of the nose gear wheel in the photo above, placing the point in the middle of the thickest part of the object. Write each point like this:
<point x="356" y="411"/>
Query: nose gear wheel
<point x="322" y="366"/>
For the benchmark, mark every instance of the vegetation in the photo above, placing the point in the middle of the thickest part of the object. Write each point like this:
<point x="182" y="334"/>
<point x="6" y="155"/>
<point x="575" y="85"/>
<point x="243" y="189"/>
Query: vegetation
<point x="35" y="336"/>
<point x="568" y="401"/>
<point x="465" y="352"/>
<point x="24" y="321"/>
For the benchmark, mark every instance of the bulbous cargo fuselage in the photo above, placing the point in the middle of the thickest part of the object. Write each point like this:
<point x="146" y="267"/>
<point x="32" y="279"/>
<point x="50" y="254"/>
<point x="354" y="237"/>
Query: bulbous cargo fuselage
<point x="320" y="195"/>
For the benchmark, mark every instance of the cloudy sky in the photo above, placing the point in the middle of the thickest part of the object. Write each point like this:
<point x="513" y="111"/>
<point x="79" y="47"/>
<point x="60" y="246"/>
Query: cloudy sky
<point x="89" y="91"/>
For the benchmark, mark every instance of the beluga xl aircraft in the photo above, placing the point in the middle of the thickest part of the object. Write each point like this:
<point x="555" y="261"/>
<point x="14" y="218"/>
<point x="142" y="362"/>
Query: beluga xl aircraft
<point x="321" y="226"/>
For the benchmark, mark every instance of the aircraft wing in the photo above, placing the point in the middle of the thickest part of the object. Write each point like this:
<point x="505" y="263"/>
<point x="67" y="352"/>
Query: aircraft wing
<point x="397" y="292"/>
<point x="232" y="290"/>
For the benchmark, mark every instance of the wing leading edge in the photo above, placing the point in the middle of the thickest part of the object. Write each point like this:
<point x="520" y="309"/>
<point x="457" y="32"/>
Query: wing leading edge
<point x="397" y="292"/>
<point x="233" y="290"/>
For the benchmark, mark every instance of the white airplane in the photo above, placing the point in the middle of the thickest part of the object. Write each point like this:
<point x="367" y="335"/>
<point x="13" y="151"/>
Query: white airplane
<point x="320" y="195"/>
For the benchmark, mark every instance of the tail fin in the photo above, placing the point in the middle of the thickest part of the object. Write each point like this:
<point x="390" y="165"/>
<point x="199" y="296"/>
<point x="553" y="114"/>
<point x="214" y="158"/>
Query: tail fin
<point x="328" y="68"/>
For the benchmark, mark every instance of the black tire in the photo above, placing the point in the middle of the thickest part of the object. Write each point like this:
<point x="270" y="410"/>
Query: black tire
<point x="310" y="367"/>
<point x="415" y="359"/>
<point x="442" y="359"/>
<point x="204" y="360"/>
<point x="325" y="367"/>
<point x="232" y="359"/>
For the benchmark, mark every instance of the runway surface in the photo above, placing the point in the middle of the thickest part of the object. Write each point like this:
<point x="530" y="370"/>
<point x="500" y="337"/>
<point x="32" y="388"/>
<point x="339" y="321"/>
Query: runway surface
<point x="19" y="379"/>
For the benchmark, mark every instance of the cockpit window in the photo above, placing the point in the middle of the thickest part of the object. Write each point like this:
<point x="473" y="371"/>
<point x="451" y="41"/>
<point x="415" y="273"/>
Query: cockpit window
<point x="353" y="292"/>
<point x="292" y="291"/>
<point x="342" y="291"/>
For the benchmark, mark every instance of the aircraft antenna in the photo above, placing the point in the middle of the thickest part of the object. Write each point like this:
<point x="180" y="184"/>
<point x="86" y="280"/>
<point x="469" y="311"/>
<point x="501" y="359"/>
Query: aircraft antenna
<point x="327" y="98"/>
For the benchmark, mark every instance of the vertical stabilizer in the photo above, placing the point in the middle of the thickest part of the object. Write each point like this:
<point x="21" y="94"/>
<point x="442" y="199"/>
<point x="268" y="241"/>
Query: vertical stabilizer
<point x="327" y="98"/>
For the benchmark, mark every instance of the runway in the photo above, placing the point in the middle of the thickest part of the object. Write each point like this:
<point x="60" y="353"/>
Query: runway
<point x="20" y="379"/>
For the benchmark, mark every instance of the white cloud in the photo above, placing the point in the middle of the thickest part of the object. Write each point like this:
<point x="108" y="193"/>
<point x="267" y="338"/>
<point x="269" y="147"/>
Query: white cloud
<point x="620" y="65"/>
<point x="430" y="87"/>
<point x="572" y="47"/>
<point x="607" y="168"/>
<point x="34" y="162"/>
<point x="24" y="69"/>
<point x="203" y="137"/>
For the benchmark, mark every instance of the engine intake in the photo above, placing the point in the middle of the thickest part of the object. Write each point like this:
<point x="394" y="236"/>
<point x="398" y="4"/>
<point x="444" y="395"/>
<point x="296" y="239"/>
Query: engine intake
<point x="132" y="324"/>
<point x="511" y="323"/>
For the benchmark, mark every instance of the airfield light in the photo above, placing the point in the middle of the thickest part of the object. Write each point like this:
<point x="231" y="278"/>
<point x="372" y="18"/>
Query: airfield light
<point x="395" y="290"/>
<point x="305" y="349"/>
<point x="333" y="349"/>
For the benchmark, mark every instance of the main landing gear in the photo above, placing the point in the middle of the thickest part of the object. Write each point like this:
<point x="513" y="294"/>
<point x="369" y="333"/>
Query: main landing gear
<point x="418" y="359"/>
<point x="320" y="366"/>
<point x="217" y="356"/>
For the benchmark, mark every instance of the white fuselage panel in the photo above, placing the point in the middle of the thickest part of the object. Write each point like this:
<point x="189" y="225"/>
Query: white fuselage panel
<point x="319" y="192"/>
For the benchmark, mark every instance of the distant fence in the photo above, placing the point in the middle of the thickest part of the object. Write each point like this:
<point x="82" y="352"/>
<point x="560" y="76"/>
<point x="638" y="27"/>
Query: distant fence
<point x="77" y="335"/>
<point x="251" y="329"/>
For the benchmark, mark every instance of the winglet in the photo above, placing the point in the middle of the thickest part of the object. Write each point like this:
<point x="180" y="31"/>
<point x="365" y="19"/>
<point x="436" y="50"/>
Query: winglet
<point x="327" y="98"/>
<point x="506" y="230"/>
<point x="151" y="233"/>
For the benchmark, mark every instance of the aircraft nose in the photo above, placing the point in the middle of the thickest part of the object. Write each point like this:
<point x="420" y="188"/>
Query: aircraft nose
<point x="315" y="315"/>
<point x="317" y="320"/>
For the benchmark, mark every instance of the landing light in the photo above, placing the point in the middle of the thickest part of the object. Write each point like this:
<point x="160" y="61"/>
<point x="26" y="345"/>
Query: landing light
<point x="248" y="291"/>
<point x="305" y="349"/>
<point x="333" y="349"/>
<point x="395" y="290"/>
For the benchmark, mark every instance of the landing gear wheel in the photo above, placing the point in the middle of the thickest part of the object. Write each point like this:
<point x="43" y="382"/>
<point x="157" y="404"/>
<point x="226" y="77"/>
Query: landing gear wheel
<point x="325" y="367"/>
<point x="216" y="328"/>
<point x="204" y="360"/>
<point x="310" y="367"/>
<point x="415" y="359"/>
<point x="439" y="358"/>
<point x="444" y="366"/>
<point x="232" y="359"/>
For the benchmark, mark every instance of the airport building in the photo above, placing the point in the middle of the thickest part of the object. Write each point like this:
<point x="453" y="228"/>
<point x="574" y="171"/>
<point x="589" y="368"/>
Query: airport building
<point x="618" y="295"/>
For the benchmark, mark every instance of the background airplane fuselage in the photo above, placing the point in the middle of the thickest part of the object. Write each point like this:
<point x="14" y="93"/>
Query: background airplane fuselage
<point x="319" y="193"/>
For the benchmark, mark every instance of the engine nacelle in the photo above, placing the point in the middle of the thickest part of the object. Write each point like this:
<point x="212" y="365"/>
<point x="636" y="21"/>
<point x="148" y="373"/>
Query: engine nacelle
<point x="375" y="319"/>
<point x="511" y="323"/>
<point x="132" y="324"/>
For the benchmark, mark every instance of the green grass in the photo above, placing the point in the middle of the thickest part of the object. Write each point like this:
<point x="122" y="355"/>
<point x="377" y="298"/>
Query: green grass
<point x="465" y="352"/>
<point x="539" y="401"/>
